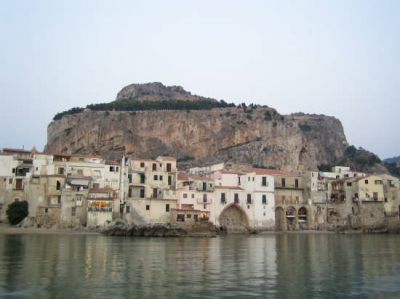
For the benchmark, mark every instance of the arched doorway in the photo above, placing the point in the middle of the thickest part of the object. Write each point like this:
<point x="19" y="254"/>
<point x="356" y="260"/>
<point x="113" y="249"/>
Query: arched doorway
<point x="302" y="218"/>
<point x="280" y="219"/>
<point x="234" y="219"/>
<point x="291" y="218"/>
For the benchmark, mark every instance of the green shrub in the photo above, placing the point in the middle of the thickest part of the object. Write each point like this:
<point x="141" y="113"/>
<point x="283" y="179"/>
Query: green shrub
<point x="17" y="211"/>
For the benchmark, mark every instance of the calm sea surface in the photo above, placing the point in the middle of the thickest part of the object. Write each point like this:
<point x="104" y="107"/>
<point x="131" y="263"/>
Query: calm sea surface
<point x="255" y="266"/>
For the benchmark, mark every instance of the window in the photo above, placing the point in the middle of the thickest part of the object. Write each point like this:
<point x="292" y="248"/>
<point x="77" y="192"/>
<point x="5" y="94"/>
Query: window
<point x="248" y="198"/>
<point x="283" y="182"/>
<point x="79" y="171"/>
<point x="130" y="178"/>
<point x="161" y="177"/>
<point x="46" y="210"/>
<point x="236" y="198"/>
<point x="264" y="181"/>
<point x="264" y="199"/>
<point x="348" y="183"/>
<point x="155" y="177"/>
<point x="96" y="185"/>
<point x="58" y="185"/>
<point x="184" y="195"/>
<point x="141" y="164"/>
<point x="296" y="183"/>
<point x="73" y="211"/>
<point x="154" y="167"/>
<point x="378" y="182"/>
<point x="141" y="193"/>
<point x="366" y="182"/>
<point x="189" y="216"/>
<point x="10" y="181"/>
<point x="61" y="170"/>
<point x="155" y="193"/>
<point x="223" y="199"/>
<point x="147" y="207"/>
<point x="128" y="209"/>
<point x="192" y="195"/>
<point x="239" y="181"/>
<point x="180" y="217"/>
<point x="204" y="198"/>
<point x="205" y="206"/>
<point x="169" y="167"/>
<point x="167" y="207"/>
<point x="375" y="195"/>
<point x="283" y="198"/>
<point x="142" y="178"/>
<point x="59" y="199"/>
<point x="248" y="179"/>
<point x="113" y="168"/>
<point x="16" y="199"/>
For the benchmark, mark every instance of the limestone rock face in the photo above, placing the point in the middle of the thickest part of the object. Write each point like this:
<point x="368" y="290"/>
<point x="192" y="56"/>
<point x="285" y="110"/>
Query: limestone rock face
<point x="156" y="91"/>
<point x="210" y="136"/>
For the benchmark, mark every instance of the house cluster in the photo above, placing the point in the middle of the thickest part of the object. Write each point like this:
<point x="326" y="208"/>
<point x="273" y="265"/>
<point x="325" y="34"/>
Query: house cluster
<point x="69" y="190"/>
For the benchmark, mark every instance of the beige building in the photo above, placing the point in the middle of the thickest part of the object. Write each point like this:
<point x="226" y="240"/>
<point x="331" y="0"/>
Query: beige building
<point x="151" y="190"/>
<point x="195" y="199"/>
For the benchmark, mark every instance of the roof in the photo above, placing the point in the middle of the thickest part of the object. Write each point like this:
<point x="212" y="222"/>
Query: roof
<point x="18" y="150"/>
<point x="223" y="171"/>
<point x="229" y="187"/>
<point x="142" y="159"/>
<point x="166" y="158"/>
<point x="100" y="190"/>
<point x="187" y="177"/>
<point x="269" y="171"/>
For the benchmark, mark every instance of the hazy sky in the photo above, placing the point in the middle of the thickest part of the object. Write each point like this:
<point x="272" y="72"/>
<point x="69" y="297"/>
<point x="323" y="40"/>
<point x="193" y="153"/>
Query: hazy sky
<point x="338" y="58"/>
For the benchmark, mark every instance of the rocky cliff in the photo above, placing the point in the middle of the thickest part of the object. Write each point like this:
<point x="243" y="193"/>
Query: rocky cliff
<point x="255" y="135"/>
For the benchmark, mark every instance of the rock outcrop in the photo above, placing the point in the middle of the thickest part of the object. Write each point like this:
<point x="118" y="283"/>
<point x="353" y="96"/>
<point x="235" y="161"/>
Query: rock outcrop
<point x="256" y="135"/>
<point x="159" y="230"/>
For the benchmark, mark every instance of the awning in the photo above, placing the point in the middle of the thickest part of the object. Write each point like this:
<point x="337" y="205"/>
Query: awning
<point x="79" y="182"/>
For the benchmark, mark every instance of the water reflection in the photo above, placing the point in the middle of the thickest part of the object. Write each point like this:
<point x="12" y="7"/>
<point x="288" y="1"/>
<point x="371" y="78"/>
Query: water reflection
<point x="273" y="266"/>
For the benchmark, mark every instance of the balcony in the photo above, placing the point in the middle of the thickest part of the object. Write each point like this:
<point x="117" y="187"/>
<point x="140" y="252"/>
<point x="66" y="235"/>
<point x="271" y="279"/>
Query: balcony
<point x="287" y="186"/>
<point x="205" y="201"/>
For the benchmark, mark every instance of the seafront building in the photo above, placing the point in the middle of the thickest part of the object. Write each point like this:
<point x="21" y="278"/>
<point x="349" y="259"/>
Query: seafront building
<point x="67" y="190"/>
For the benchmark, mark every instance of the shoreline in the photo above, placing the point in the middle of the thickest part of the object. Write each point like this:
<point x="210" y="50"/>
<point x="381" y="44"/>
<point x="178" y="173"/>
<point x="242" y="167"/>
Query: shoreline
<point x="14" y="230"/>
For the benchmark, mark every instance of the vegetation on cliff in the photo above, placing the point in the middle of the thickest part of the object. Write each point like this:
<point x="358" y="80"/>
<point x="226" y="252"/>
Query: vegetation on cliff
<point x="134" y="105"/>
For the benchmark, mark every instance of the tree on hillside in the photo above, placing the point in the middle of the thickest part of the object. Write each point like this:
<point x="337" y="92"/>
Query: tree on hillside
<point x="17" y="211"/>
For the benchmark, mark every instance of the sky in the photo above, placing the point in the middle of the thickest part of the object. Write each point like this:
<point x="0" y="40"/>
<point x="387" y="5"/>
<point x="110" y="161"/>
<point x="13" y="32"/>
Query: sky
<point x="338" y="58"/>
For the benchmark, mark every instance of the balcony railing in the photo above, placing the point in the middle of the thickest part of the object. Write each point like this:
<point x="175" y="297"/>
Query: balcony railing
<point x="98" y="209"/>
